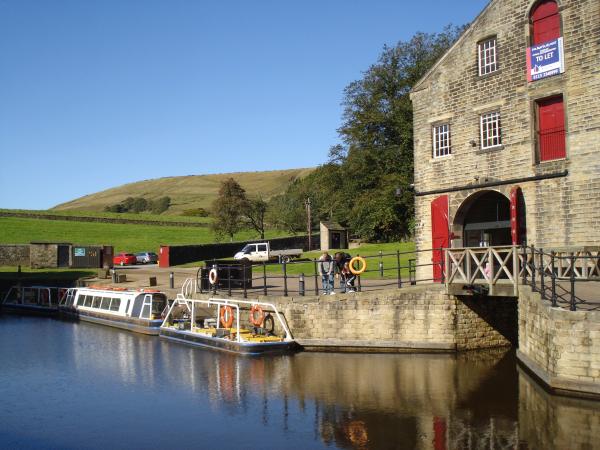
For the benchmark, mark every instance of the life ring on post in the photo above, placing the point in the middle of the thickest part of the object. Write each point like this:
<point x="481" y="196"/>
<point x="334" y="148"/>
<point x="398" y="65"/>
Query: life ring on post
<point x="257" y="322"/>
<point x="213" y="276"/>
<point x="361" y="261"/>
<point x="226" y="316"/>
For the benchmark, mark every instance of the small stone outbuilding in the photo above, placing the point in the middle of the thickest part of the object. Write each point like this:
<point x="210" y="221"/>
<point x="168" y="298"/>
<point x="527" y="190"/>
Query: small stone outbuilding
<point x="333" y="236"/>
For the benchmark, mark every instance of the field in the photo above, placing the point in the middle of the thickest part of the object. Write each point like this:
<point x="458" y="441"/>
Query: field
<point x="187" y="192"/>
<point x="124" y="237"/>
<point x="109" y="215"/>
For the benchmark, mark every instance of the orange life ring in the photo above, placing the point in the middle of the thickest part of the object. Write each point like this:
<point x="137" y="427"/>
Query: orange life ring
<point x="361" y="261"/>
<point x="257" y="322"/>
<point x="226" y="316"/>
<point x="213" y="276"/>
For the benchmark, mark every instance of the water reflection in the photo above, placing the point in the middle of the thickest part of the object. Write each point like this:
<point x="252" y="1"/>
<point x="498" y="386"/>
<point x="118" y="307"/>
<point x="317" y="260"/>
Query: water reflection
<point x="308" y="400"/>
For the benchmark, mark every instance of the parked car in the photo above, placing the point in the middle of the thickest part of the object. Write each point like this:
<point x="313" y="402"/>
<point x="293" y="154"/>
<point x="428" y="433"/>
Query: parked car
<point x="261" y="251"/>
<point x="146" y="258"/>
<point x="123" y="259"/>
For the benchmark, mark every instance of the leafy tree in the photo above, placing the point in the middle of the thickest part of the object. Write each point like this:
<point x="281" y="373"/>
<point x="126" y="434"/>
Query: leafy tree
<point x="228" y="209"/>
<point x="357" y="186"/>
<point x="139" y="204"/>
<point x="255" y="212"/>
<point x="160" y="205"/>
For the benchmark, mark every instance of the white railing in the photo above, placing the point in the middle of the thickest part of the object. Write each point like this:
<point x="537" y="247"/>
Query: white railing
<point x="483" y="266"/>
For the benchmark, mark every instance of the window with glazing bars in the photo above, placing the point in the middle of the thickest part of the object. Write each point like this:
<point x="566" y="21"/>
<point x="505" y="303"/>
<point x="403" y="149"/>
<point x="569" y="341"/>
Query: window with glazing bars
<point x="488" y="57"/>
<point x="441" y="140"/>
<point x="491" y="132"/>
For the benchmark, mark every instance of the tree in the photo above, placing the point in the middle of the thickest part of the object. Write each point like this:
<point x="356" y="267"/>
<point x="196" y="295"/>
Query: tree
<point x="357" y="186"/>
<point x="160" y="205"/>
<point x="228" y="209"/>
<point x="256" y="210"/>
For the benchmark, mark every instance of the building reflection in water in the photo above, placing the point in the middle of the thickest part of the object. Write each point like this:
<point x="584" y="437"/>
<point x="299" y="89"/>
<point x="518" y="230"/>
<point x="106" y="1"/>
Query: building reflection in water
<point x="474" y="400"/>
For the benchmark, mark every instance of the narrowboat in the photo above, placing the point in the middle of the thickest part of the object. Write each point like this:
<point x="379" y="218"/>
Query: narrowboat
<point x="134" y="310"/>
<point x="36" y="300"/>
<point x="237" y="326"/>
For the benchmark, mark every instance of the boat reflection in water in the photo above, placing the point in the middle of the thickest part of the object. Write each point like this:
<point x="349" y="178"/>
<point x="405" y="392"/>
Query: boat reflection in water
<point x="108" y="379"/>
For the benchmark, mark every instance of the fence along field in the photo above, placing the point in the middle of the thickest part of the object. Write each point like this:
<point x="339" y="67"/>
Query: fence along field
<point x="124" y="237"/>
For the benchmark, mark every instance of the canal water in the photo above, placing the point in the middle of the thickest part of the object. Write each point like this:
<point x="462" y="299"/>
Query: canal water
<point x="78" y="385"/>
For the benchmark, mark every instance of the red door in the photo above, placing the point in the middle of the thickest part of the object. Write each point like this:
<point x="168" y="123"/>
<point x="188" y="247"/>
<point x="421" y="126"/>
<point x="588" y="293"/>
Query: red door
<point x="440" y="235"/>
<point x="545" y="22"/>
<point x="551" y="128"/>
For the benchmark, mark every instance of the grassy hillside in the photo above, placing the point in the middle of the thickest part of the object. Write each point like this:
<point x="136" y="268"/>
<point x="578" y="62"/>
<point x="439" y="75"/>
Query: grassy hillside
<point x="124" y="237"/>
<point x="187" y="192"/>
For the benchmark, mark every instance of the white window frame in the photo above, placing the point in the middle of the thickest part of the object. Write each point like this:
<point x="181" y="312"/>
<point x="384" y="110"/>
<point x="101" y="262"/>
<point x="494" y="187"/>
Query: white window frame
<point x="490" y="130"/>
<point x="441" y="140"/>
<point x="487" y="51"/>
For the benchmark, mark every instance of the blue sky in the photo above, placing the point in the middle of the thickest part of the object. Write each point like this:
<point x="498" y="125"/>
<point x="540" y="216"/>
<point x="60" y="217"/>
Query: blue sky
<point x="97" y="93"/>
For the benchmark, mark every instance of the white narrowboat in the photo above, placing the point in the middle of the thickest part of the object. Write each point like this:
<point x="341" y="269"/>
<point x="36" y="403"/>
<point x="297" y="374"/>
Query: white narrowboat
<point x="36" y="300"/>
<point x="238" y="326"/>
<point x="135" y="310"/>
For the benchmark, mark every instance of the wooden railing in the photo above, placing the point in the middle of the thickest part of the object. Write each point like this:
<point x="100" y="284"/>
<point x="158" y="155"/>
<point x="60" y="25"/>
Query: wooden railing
<point x="483" y="267"/>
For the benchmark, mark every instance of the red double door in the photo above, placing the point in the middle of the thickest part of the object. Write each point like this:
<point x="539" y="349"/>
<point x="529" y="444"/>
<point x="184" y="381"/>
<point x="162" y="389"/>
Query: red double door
<point x="551" y="128"/>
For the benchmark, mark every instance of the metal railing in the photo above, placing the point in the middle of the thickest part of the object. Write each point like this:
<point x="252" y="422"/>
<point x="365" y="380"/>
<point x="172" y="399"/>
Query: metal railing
<point x="563" y="277"/>
<point x="301" y="277"/>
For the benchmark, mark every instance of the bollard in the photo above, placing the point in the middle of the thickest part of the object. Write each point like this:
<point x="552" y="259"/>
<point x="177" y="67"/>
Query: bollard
<point x="380" y="263"/>
<point x="113" y="275"/>
<point x="301" y="284"/>
<point x="171" y="280"/>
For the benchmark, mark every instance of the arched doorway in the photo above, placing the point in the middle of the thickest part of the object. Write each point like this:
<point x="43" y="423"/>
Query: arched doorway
<point x="485" y="220"/>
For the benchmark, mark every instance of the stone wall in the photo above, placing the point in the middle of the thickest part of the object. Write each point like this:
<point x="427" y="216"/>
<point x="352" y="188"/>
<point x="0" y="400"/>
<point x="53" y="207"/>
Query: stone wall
<point x="561" y="347"/>
<point x="417" y="318"/>
<point x="14" y="255"/>
<point x="560" y="211"/>
<point x="43" y="255"/>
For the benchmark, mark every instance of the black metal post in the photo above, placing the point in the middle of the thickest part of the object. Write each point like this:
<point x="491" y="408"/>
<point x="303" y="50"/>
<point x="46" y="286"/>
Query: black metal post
<point x="542" y="284"/>
<point x="317" y="277"/>
<point x="244" y="280"/>
<point x="301" y="285"/>
<point x="572" y="280"/>
<point x="412" y="272"/>
<point x="171" y="280"/>
<point x="380" y="263"/>
<point x="524" y="265"/>
<point x="229" y="281"/>
<point x="553" y="278"/>
<point x="533" y="275"/>
<point x="265" y="278"/>
<point x="285" y="286"/>
<point x="399" y="268"/>
<point x="358" y="283"/>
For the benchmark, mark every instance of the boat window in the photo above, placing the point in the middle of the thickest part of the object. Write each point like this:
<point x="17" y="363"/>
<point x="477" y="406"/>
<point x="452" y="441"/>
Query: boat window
<point x="105" y="303"/>
<point x="96" y="302"/>
<point x="87" y="300"/>
<point x="13" y="296"/>
<point x="30" y="296"/>
<point x="158" y="304"/>
<point x="115" y="304"/>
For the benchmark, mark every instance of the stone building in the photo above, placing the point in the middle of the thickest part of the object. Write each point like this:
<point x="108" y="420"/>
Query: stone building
<point x="507" y="131"/>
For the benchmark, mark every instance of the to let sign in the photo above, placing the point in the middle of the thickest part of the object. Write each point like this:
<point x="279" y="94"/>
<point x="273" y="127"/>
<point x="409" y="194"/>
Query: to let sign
<point x="545" y="60"/>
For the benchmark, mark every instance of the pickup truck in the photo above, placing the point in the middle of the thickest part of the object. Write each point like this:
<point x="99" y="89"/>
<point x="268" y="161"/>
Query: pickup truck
<point x="261" y="251"/>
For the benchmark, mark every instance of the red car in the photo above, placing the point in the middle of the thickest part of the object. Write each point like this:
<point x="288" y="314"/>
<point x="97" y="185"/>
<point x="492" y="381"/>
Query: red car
<point x="123" y="259"/>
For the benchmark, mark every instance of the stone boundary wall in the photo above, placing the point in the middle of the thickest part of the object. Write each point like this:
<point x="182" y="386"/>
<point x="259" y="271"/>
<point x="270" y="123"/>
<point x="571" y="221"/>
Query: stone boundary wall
<point x="104" y="220"/>
<point x="560" y="347"/>
<point x="182" y="254"/>
<point x="14" y="255"/>
<point x="416" y="318"/>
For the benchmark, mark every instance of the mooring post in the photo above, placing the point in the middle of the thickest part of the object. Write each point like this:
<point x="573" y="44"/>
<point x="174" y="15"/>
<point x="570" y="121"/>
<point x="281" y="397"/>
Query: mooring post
<point x="301" y="284"/>
<point x="171" y="280"/>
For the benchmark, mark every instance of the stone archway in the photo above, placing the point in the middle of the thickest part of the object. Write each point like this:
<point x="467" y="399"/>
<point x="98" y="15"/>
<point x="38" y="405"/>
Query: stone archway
<point x="483" y="219"/>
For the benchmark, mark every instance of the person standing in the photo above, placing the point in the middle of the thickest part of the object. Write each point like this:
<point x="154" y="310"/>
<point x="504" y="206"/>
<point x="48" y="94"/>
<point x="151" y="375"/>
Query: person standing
<point x="326" y="270"/>
<point x="342" y="267"/>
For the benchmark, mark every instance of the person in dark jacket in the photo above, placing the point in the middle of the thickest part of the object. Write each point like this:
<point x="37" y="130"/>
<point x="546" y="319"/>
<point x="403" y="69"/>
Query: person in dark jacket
<point x="326" y="270"/>
<point x="342" y="266"/>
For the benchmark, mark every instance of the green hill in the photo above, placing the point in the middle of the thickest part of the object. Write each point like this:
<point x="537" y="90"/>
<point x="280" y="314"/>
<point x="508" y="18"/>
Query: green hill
<point x="187" y="192"/>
